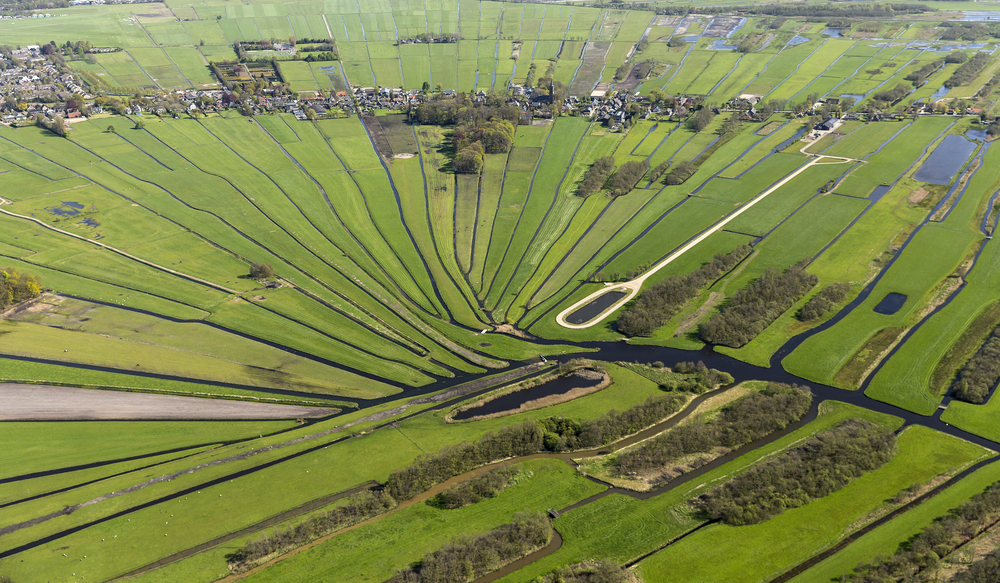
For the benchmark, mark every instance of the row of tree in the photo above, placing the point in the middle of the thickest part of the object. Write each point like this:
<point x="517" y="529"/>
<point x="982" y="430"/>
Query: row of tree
<point x="681" y="172"/>
<point x="968" y="71"/>
<point x="743" y="421"/>
<point x="603" y="571"/>
<point x="628" y="175"/>
<point x="982" y="571"/>
<point x="444" y="112"/>
<point x="981" y="373"/>
<point x="818" y="467"/>
<point x="17" y="287"/>
<point x="938" y="540"/>
<point x="358" y="508"/>
<point x="892" y="95"/>
<point x="596" y="176"/>
<point x="824" y="301"/>
<point x="655" y="306"/>
<point x="754" y="307"/>
<point x="699" y="379"/>
<point x="919" y="76"/>
<point x="470" y="557"/>
<point x="482" y="487"/>
<point x="526" y="438"/>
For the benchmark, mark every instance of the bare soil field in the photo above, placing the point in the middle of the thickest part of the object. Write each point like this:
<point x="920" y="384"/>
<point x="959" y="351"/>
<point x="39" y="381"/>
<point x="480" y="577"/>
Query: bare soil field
<point x="36" y="402"/>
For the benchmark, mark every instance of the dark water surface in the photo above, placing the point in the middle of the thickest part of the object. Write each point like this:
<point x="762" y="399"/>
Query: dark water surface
<point x="557" y="386"/>
<point x="946" y="160"/>
<point x="591" y="310"/>
<point x="890" y="304"/>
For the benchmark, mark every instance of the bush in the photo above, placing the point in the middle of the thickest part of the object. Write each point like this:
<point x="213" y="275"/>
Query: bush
<point x="681" y="173"/>
<point x="261" y="271"/>
<point x="700" y="119"/>
<point x="17" y="287"/>
<point x="623" y="181"/>
<point x="603" y="571"/>
<point x="469" y="160"/>
<point x="895" y="94"/>
<point x="919" y="76"/>
<point x="743" y="421"/>
<point x="482" y="487"/>
<point x="655" y="306"/>
<point x="596" y="176"/>
<point x="824" y="301"/>
<point x="658" y="171"/>
<point x="968" y="71"/>
<point x="981" y="373"/>
<point x="822" y="465"/>
<point x="754" y="307"/>
<point x="358" y="508"/>
<point x="956" y="57"/>
<point x="948" y="532"/>
<point x="470" y="557"/>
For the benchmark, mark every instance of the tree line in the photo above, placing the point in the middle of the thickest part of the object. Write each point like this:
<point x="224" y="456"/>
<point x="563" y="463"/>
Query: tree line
<point x="17" y="287"/>
<point x="919" y="76"/>
<point x="968" y="70"/>
<point x="358" y="508"/>
<point x="818" y="467"/>
<point x="482" y="487"/>
<point x="756" y="306"/>
<point x="596" y="176"/>
<point x="699" y="379"/>
<point x="982" y="571"/>
<point x="603" y="571"/>
<point x="981" y="373"/>
<point x="470" y="557"/>
<point x="743" y="421"/>
<point x="824" y="301"/>
<point x="601" y="175"/>
<point x="655" y="306"/>
<point x="892" y="95"/>
<point x="936" y="541"/>
<point x="528" y="437"/>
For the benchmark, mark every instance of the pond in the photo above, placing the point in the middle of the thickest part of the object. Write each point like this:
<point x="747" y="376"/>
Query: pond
<point x="978" y="135"/>
<point x="946" y="160"/>
<point x="720" y="45"/>
<point x="512" y="401"/>
<point x="594" y="308"/>
<point x="857" y="97"/>
<point x="834" y="32"/>
<point x="797" y="40"/>
<point x="890" y="304"/>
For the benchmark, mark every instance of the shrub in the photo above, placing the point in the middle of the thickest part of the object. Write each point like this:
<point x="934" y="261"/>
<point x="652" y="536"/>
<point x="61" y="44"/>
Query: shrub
<point x="655" y="306"/>
<point x="482" y="487"/>
<point x="754" y="307"/>
<point x="17" y="287"/>
<point x="261" y="271"/>
<point x="743" y="421"/>
<point x="627" y="176"/>
<point x="981" y="373"/>
<point x="681" y="173"/>
<point x="824" y="301"/>
<point x="470" y="557"/>
<point x="968" y="71"/>
<point x="596" y="176"/>
<point x="820" y="466"/>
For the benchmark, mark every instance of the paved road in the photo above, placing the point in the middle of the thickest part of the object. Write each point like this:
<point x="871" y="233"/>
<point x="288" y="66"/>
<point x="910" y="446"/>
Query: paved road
<point x="631" y="288"/>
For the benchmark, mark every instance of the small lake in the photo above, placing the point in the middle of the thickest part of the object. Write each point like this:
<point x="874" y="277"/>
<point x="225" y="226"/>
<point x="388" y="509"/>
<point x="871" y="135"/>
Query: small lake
<point x="510" y="401"/>
<point x="834" y="32"/>
<point x="588" y="312"/>
<point x="938" y="94"/>
<point x="857" y="97"/>
<point x="692" y="39"/>
<point x="720" y="45"/>
<point x="978" y="135"/>
<point x="946" y="160"/>
<point x="890" y="304"/>
<point x="879" y="192"/>
<point x="797" y="40"/>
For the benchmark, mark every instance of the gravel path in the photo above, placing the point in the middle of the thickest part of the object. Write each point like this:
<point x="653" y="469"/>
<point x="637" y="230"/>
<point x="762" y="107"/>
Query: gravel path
<point x="29" y="402"/>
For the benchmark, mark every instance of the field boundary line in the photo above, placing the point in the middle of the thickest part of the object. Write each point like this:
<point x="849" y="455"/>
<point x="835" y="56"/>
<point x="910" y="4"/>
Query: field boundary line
<point x="632" y="287"/>
<point x="120" y="252"/>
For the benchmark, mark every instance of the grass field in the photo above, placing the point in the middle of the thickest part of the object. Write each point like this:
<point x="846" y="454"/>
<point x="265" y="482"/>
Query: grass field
<point x="397" y="279"/>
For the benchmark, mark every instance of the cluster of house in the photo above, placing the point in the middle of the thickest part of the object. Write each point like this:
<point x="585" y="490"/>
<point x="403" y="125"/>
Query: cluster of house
<point x="31" y="84"/>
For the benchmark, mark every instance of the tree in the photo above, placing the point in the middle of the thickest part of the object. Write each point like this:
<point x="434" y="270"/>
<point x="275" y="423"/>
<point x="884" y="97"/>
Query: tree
<point x="112" y="130"/>
<point x="261" y="271"/>
<point x="438" y="88"/>
<point x="139" y="124"/>
<point x="425" y="87"/>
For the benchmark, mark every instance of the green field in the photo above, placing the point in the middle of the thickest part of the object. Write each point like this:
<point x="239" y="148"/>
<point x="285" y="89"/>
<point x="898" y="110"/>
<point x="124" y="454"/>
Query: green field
<point x="403" y="290"/>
